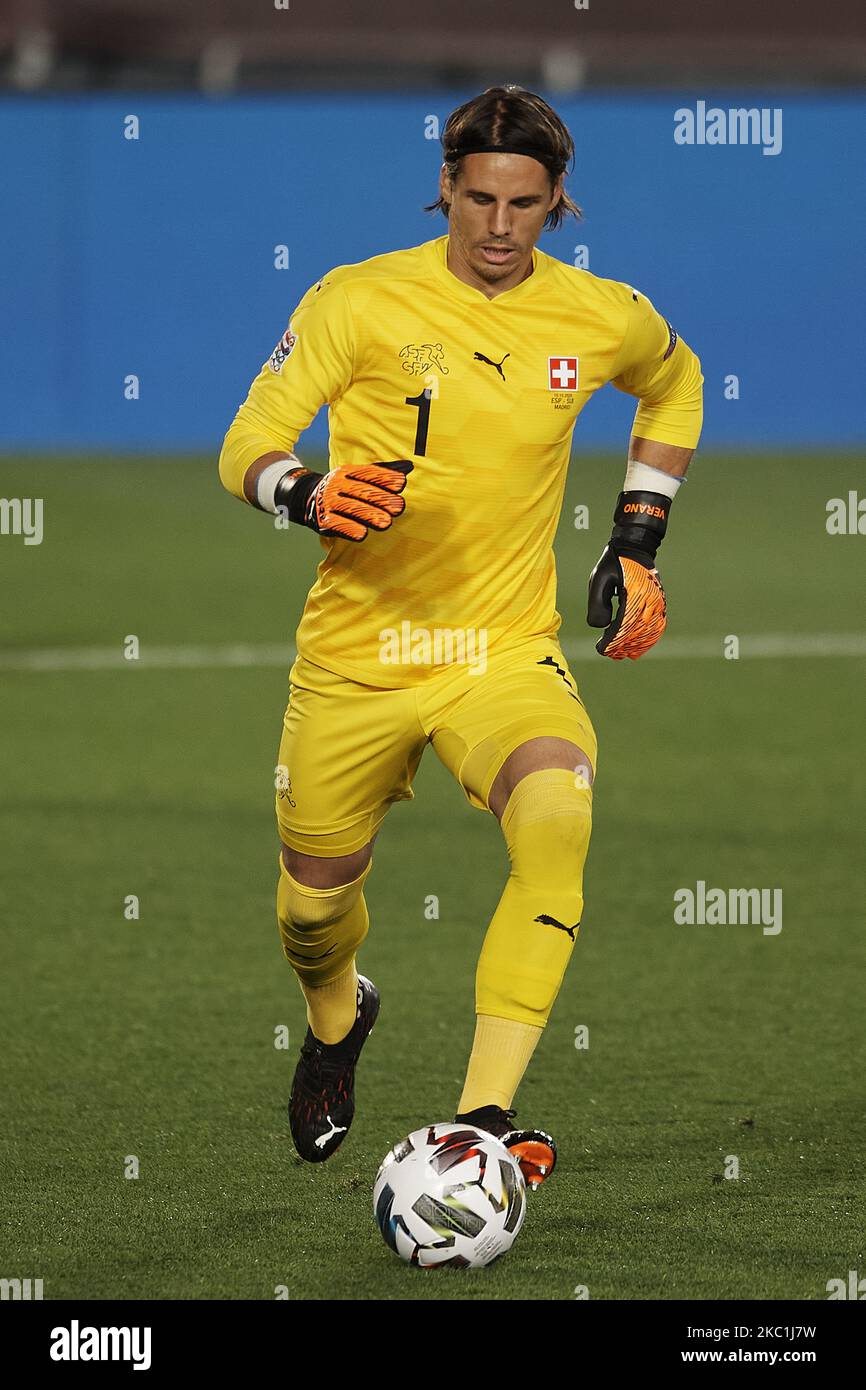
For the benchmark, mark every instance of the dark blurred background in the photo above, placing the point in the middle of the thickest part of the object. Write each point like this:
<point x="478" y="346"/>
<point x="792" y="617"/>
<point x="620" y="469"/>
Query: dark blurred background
<point x="236" y="45"/>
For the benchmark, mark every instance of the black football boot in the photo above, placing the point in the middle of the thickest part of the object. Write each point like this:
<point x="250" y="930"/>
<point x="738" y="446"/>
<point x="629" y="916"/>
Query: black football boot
<point x="322" y="1103"/>
<point x="534" y="1150"/>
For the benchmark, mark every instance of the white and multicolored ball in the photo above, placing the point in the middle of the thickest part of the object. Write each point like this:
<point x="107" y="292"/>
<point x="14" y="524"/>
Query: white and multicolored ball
<point x="449" y="1194"/>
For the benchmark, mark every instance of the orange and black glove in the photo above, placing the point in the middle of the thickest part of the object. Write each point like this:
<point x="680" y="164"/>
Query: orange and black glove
<point x="627" y="572"/>
<point x="348" y="501"/>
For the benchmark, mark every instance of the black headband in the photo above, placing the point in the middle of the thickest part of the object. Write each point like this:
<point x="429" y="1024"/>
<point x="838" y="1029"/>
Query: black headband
<point x="510" y="147"/>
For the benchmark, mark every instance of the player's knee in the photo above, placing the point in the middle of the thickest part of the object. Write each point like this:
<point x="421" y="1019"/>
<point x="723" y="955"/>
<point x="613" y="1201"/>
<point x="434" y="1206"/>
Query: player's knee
<point x="306" y="908"/>
<point x="547" y="823"/>
<point x="320" y="928"/>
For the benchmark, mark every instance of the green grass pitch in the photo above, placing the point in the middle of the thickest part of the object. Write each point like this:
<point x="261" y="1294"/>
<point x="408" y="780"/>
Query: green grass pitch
<point x="155" y="1038"/>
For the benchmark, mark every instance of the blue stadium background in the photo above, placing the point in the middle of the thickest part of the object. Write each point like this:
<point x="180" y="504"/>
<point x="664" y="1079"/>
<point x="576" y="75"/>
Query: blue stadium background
<point x="155" y="256"/>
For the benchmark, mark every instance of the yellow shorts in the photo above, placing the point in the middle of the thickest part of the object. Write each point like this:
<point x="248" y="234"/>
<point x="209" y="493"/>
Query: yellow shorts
<point x="348" y="751"/>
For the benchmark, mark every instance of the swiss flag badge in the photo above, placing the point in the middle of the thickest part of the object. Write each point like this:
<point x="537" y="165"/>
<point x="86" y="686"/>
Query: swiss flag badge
<point x="562" y="373"/>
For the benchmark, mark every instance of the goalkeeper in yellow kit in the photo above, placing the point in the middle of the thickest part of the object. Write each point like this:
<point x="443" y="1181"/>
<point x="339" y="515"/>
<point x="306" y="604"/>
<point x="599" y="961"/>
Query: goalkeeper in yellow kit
<point x="454" y="372"/>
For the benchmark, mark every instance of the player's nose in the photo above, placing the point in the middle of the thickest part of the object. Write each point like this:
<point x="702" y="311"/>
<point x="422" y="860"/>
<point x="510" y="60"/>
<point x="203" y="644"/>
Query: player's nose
<point x="500" y="221"/>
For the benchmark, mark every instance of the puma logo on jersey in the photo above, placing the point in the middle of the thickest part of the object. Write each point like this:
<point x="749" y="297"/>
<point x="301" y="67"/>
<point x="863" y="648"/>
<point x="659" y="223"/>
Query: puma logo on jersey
<point x="549" y="661"/>
<point x="335" y="1129"/>
<point x="479" y="357"/>
<point x="552" y="922"/>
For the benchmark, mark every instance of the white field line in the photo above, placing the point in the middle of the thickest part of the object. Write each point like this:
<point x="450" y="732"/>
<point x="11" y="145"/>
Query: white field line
<point x="771" y="645"/>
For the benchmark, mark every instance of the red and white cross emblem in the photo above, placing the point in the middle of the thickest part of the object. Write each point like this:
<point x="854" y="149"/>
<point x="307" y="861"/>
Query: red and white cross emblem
<point x="562" y="373"/>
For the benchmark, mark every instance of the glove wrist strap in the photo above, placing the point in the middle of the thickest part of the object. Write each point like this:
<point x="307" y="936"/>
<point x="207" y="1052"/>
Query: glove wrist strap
<point x="294" y="491"/>
<point x="640" y="522"/>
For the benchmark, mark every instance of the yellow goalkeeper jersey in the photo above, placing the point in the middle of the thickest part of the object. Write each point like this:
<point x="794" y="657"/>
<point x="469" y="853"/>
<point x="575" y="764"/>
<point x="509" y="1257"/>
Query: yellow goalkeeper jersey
<point x="481" y="395"/>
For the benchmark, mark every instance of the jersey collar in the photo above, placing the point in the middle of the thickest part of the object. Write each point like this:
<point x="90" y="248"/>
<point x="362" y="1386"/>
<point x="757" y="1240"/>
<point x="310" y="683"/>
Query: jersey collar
<point x="458" y="289"/>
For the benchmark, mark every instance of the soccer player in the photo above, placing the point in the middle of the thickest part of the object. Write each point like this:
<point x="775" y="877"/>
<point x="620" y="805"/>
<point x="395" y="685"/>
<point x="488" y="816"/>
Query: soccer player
<point x="455" y="372"/>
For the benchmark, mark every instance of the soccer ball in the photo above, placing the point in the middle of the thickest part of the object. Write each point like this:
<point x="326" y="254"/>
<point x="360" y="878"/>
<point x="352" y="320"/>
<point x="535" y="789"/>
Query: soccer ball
<point x="449" y="1194"/>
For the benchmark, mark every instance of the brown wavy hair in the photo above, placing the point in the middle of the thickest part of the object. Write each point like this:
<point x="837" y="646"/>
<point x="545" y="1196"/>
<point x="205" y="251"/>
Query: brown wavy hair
<point x="511" y="116"/>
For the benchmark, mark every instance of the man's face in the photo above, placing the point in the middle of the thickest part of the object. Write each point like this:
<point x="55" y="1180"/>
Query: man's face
<point x="498" y="206"/>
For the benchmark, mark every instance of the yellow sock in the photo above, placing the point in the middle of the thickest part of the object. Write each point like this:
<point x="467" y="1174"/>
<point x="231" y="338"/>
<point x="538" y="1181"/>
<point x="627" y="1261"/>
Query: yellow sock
<point x="332" y="1008"/>
<point x="321" y="930"/>
<point x="546" y="825"/>
<point x="500" y="1055"/>
<point x="527" y="946"/>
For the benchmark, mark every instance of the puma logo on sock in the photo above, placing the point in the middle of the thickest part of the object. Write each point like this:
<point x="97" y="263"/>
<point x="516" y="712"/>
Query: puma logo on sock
<point x="552" y="922"/>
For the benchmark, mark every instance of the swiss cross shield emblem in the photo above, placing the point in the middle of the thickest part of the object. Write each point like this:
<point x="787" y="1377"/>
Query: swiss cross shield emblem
<point x="562" y="373"/>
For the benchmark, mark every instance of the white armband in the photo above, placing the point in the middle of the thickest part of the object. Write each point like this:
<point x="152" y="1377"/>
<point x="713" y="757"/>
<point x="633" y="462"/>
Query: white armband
<point x="642" y="477"/>
<point x="267" y="481"/>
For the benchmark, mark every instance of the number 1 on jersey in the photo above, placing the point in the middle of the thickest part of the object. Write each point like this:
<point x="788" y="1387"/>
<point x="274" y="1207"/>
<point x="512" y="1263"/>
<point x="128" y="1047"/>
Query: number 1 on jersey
<point x="423" y="404"/>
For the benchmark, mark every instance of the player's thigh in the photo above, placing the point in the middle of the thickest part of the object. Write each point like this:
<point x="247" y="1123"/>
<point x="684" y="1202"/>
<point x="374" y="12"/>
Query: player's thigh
<point x="524" y="712"/>
<point x="347" y="753"/>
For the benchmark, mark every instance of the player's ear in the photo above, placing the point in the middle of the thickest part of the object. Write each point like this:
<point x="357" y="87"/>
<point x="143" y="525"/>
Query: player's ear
<point x="445" y="190"/>
<point x="556" y="192"/>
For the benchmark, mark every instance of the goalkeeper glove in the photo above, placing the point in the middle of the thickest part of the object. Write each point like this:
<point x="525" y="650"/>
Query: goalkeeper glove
<point x="627" y="570"/>
<point x="348" y="501"/>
